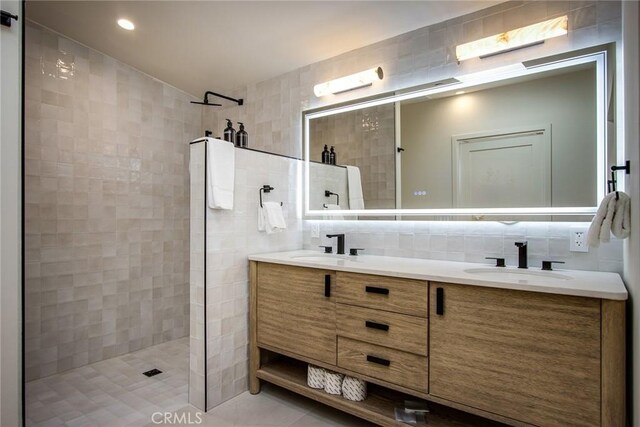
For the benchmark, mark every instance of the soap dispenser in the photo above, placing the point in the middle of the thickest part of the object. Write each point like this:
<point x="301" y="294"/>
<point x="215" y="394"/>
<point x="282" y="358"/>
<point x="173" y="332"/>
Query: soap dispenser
<point x="325" y="155"/>
<point x="332" y="156"/>
<point x="229" y="133"/>
<point x="242" y="138"/>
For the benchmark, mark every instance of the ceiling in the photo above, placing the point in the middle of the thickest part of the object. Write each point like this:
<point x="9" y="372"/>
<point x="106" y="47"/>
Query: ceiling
<point x="220" y="45"/>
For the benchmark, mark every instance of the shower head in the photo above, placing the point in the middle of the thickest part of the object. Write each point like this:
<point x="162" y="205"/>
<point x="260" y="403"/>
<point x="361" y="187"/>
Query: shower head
<point x="206" y="99"/>
<point x="206" y="103"/>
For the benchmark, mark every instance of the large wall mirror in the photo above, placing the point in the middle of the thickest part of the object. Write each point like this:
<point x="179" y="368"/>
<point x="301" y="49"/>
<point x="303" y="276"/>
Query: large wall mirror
<point x="528" y="142"/>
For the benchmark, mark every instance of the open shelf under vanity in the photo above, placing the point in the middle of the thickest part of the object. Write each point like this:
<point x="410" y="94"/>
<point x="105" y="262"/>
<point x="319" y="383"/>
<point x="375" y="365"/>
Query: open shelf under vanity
<point x="379" y="405"/>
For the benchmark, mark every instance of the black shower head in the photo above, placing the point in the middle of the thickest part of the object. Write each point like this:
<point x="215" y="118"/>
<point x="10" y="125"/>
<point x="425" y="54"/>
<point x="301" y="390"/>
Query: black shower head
<point x="206" y="103"/>
<point x="206" y="99"/>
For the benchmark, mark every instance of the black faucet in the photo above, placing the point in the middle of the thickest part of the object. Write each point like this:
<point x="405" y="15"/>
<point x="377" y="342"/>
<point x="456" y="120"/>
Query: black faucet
<point x="340" y="242"/>
<point x="522" y="254"/>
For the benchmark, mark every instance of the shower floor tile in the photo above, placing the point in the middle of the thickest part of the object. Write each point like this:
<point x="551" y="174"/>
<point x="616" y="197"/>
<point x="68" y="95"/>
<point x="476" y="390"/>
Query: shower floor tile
<point x="113" y="392"/>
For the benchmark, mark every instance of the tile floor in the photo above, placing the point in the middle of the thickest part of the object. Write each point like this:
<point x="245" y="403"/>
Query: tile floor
<point x="114" y="393"/>
<point x="273" y="407"/>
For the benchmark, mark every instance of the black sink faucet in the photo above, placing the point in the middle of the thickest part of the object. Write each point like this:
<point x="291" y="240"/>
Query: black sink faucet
<point x="522" y="254"/>
<point x="340" y="242"/>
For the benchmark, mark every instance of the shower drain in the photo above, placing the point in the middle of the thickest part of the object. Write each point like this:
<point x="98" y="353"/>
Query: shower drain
<point x="152" y="372"/>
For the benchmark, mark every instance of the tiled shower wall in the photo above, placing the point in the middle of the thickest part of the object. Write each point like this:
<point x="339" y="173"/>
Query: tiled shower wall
<point x="107" y="206"/>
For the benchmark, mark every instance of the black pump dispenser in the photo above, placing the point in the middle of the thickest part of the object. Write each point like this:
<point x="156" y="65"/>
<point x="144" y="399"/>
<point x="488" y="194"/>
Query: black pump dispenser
<point x="332" y="156"/>
<point x="229" y="133"/>
<point x="325" y="155"/>
<point x="242" y="138"/>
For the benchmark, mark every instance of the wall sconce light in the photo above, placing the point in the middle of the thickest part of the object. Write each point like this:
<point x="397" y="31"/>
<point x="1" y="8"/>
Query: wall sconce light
<point x="514" y="39"/>
<point x="354" y="81"/>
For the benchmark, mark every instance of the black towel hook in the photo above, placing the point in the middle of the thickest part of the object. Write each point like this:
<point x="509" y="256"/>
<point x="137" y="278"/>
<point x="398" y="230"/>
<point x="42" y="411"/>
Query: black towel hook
<point x="612" y="184"/>
<point x="267" y="189"/>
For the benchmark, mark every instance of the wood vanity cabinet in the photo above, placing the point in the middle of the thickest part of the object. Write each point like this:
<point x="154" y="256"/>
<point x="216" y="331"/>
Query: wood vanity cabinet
<point x="517" y="357"/>
<point x="528" y="356"/>
<point x="296" y="312"/>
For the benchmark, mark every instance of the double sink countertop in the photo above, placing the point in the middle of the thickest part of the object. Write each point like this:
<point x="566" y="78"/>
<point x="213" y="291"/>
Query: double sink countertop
<point x="593" y="284"/>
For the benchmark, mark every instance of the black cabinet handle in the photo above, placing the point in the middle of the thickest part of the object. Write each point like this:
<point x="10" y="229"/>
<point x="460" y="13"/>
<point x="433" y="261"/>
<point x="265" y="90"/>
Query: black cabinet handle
<point x="327" y="285"/>
<point x="376" y="325"/>
<point x="378" y="360"/>
<point x="439" y="301"/>
<point x="376" y="290"/>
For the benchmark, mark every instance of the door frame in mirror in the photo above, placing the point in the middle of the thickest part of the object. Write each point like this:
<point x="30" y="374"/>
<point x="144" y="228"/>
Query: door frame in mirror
<point x="599" y="59"/>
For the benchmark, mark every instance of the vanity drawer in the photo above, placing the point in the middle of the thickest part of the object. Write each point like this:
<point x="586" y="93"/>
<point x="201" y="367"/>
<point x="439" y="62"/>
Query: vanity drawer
<point x="399" y="331"/>
<point x="405" y="296"/>
<point x="387" y="364"/>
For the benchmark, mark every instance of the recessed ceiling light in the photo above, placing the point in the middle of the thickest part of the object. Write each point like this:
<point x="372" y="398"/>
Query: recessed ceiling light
<point x="126" y="24"/>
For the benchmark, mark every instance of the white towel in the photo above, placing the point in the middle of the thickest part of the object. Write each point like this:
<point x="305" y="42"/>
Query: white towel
<point x="613" y="216"/>
<point x="333" y="207"/>
<point x="220" y="173"/>
<point x="271" y="218"/>
<point x="356" y="199"/>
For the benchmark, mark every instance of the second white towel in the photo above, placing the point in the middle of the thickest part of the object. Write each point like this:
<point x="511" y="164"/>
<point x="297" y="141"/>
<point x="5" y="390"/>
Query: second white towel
<point x="271" y="218"/>
<point x="613" y="217"/>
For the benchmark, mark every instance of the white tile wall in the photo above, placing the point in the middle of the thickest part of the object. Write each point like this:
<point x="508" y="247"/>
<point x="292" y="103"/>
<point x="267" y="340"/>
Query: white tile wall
<point x="232" y="235"/>
<point x="106" y="206"/>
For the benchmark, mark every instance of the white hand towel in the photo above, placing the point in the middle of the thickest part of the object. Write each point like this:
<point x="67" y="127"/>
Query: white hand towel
<point x="271" y="218"/>
<point x="612" y="216"/>
<point x="621" y="224"/>
<point x="220" y="173"/>
<point x="356" y="199"/>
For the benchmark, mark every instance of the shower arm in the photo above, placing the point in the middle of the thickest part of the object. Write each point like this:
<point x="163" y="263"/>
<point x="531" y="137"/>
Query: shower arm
<point x="207" y="93"/>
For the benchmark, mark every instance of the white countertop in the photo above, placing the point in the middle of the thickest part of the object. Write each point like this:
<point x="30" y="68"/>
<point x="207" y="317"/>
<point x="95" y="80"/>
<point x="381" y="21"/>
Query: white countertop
<point x="594" y="284"/>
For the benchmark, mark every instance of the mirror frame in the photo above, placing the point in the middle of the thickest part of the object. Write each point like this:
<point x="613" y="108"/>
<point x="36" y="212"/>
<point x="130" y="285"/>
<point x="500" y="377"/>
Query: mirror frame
<point x="461" y="82"/>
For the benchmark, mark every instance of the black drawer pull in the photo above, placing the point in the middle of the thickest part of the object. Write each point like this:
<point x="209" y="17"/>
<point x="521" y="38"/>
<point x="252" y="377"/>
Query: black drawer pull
<point x="376" y="290"/>
<point x="439" y="301"/>
<point x="327" y="285"/>
<point x="376" y="325"/>
<point x="378" y="360"/>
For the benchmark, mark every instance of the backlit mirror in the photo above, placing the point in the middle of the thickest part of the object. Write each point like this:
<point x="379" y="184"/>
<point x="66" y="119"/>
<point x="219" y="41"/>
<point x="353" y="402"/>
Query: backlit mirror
<point x="516" y="141"/>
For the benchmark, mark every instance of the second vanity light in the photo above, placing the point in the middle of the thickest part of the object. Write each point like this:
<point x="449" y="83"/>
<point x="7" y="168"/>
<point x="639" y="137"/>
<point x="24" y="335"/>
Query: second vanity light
<point x="514" y="39"/>
<point x="353" y="81"/>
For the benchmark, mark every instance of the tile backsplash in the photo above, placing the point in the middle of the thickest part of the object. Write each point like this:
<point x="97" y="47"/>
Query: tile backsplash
<point x="107" y="206"/>
<point x="469" y="241"/>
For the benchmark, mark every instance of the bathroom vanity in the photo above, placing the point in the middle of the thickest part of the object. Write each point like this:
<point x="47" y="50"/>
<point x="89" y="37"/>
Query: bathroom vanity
<point x="519" y="347"/>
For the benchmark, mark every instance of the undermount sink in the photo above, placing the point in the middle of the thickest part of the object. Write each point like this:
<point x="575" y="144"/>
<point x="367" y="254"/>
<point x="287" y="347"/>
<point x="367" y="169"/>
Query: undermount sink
<point x="319" y="258"/>
<point x="501" y="273"/>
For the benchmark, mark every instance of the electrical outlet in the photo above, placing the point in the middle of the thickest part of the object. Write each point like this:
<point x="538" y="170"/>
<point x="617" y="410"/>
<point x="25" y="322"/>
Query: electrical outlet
<point x="578" y="240"/>
<point x="315" y="230"/>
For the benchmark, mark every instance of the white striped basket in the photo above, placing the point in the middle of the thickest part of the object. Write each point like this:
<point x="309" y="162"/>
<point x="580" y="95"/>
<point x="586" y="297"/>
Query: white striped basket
<point x="333" y="382"/>
<point x="315" y="377"/>
<point x="354" y="389"/>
